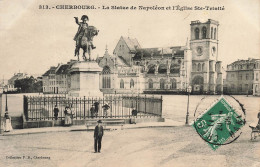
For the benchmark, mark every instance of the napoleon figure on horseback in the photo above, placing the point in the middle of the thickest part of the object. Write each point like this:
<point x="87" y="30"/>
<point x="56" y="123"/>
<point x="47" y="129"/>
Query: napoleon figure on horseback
<point x="84" y="37"/>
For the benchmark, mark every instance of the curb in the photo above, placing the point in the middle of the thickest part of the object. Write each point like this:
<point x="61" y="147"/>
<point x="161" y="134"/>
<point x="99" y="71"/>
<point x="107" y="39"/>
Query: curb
<point x="86" y="130"/>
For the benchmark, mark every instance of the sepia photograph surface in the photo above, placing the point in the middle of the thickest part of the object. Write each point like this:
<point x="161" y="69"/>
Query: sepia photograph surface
<point x="130" y="83"/>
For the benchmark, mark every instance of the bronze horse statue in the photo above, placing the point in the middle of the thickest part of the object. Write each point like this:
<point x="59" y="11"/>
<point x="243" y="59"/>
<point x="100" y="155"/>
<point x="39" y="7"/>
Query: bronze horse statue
<point x="85" y="42"/>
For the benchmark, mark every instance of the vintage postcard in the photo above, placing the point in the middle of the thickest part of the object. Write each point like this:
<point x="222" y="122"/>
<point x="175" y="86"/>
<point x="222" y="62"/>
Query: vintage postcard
<point x="130" y="83"/>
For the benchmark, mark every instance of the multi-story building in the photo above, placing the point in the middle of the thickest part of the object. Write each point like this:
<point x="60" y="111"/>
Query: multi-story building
<point x="57" y="79"/>
<point x="48" y="80"/>
<point x="240" y="76"/>
<point x="256" y="82"/>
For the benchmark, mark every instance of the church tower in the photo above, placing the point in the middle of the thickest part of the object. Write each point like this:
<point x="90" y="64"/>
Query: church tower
<point x="206" y="74"/>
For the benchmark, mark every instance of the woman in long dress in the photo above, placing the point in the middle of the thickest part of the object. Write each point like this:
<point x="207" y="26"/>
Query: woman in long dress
<point x="67" y="116"/>
<point x="7" y="124"/>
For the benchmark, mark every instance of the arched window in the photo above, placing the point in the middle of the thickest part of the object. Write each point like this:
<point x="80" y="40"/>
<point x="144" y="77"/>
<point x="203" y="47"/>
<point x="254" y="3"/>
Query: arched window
<point x="197" y="33"/>
<point x="204" y="33"/>
<point x="162" y="69"/>
<point x="132" y="83"/>
<point x="175" y="68"/>
<point x="173" y="83"/>
<point x="203" y="67"/>
<point x="122" y="84"/>
<point x="150" y="84"/>
<point x="211" y="33"/>
<point x="199" y="67"/>
<point x="162" y="84"/>
<point x="256" y="88"/>
<point x="215" y="31"/>
<point x="106" y="81"/>
<point x="151" y="69"/>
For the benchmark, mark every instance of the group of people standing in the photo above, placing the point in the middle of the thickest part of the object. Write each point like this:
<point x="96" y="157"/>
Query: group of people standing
<point x="95" y="108"/>
<point x="69" y="113"/>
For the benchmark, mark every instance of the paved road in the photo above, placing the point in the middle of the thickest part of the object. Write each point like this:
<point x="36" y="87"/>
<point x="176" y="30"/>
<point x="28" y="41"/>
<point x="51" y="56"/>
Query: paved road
<point x="175" y="146"/>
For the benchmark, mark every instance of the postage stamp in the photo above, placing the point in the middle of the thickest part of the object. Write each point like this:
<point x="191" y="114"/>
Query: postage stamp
<point x="219" y="124"/>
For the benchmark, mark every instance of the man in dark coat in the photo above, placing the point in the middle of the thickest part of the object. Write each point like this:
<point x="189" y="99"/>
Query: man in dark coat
<point x="96" y="104"/>
<point x="98" y="134"/>
<point x="56" y="112"/>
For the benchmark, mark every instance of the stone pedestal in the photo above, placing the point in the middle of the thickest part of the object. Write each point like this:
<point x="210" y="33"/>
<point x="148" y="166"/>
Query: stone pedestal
<point x="85" y="79"/>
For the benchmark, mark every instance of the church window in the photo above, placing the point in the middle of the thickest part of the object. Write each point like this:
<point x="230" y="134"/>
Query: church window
<point x="162" y="69"/>
<point x="215" y="31"/>
<point x="106" y="80"/>
<point x="173" y="83"/>
<point x="256" y="88"/>
<point x="150" y="84"/>
<point x="174" y="68"/>
<point x="197" y="33"/>
<point x="199" y="67"/>
<point x="256" y="76"/>
<point x="211" y="32"/>
<point x="203" y="67"/>
<point x="151" y="69"/>
<point x="132" y="83"/>
<point x="121" y="83"/>
<point x="162" y="84"/>
<point x="204" y="33"/>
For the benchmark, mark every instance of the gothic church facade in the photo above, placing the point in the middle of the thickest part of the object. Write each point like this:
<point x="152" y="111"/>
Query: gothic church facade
<point x="133" y="69"/>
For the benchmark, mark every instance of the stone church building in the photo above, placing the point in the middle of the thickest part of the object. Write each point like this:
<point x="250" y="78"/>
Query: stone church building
<point x="133" y="69"/>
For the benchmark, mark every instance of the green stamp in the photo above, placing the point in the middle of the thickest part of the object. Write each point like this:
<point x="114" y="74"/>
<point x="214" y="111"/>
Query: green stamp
<point x="218" y="124"/>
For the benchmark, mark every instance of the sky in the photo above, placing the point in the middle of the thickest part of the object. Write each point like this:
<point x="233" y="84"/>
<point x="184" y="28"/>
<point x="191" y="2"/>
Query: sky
<point x="32" y="40"/>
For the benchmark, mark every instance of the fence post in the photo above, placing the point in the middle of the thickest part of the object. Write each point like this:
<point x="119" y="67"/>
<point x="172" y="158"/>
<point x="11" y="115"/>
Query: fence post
<point x="161" y="106"/>
<point x="76" y="108"/>
<point x="111" y="100"/>
<point x="145" y="104"/>
<point x="25" y="107"/>
<point x="84" y="107"/>
<point x="122" y="106"/>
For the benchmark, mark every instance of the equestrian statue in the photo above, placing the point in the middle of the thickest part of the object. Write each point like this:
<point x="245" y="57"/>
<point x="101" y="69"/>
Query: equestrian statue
<point x="84" y="37"/>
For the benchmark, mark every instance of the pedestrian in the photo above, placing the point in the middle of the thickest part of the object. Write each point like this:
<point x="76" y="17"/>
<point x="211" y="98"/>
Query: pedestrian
<point x="98" y="134"/>
<point x="56" y="112"/>
<point x="67" y="121"/>
<point x="258" y="116"/>
<point x="92" y="111"/>
<point x="96" y="104"/>
<point x="7" y="123"/>
<point x="134" y="112"/>
<point x="105" y="109"/>
<point x="72" y="113"/>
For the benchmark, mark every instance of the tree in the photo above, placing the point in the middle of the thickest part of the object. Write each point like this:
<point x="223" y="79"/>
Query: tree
<point x="28" y="85"/>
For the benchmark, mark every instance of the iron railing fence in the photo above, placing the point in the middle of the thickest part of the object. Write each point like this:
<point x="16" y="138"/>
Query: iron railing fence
<point x="120" y="106"/>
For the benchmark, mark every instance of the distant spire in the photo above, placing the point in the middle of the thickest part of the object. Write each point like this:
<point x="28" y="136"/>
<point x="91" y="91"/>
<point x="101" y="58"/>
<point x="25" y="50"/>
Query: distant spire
<point x="128" y="33"/>
<point x="106" y="50"/>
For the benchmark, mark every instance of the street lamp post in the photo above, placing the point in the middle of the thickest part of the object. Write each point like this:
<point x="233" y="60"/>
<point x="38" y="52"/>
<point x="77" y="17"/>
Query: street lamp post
<point x="187" y="114"/>
<point x="6" y="106"/>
